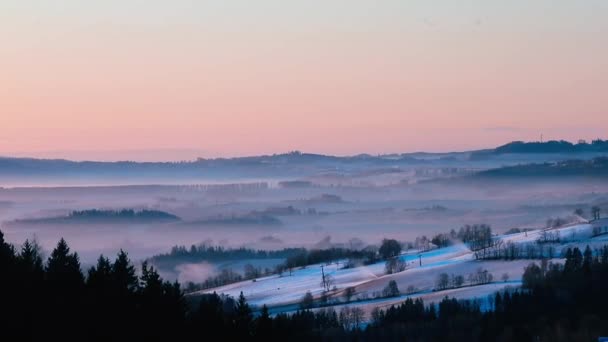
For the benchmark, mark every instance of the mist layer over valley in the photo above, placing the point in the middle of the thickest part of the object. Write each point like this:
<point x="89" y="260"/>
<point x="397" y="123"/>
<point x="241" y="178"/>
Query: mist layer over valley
<point x="297" y="200"/>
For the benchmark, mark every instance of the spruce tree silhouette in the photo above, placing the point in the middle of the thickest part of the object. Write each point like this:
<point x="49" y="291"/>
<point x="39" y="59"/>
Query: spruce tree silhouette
<point x="99" y="278"/>
<point x="587" y="260"/>
<point x="161" y="304"/>
<point x="63" y="269"/>
<point x="64" y="292"/>
<point x="125" y="285"/>
<point x="30" y="261"/>
<point x="7" y="254"/>
<point x="30" y="280"/>
<point x="243" y="318"/>
<point x="123" y="273"/>
<point x="9" y="287"/>
<point x="100" y="304"/>
<point x="263" y="325"/>
<point x="210" y="315"/>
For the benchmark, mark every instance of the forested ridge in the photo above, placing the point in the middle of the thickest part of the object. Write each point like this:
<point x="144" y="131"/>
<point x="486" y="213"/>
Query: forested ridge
<point x="594" y="168"/>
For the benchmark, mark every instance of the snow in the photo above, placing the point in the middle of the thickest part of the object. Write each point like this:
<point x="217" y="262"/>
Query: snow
<point x="575" y="232"/>
<point x="479" y="292"/>
<point x="283" y="293"/>
<point x="289" y="289"/>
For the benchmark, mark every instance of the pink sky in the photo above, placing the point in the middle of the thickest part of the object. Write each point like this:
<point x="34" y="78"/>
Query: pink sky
<point x="175" y="80"/>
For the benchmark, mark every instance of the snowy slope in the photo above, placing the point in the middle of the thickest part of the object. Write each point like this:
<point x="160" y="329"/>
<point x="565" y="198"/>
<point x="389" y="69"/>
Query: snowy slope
<point x="283" y="293"/>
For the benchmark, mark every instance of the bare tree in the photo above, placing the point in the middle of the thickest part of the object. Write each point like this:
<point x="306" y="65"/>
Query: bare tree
<point x="251" y="272"/>
<point x="457" y="280"/>
<point x="391" y="290"/>
<point x="327" y="281"/>
<point x="394" y="265"/>
<point x="307" y="301"/>
<point x="349" y="292"/>
<point x="357" y="316"/>
<point x="411" y="289"/>
<point x="443" y="281"/>
<point x="351" y="318"/>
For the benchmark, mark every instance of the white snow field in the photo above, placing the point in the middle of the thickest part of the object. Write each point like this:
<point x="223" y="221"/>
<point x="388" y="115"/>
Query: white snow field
<point x="283" y="293"/>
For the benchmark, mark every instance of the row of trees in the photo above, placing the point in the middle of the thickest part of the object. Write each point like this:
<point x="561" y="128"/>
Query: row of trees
<point x="93" y="214"/>
<point x="549" y="236"/>
<point x="479" y="277"/>
<point x="308" y="301"/>
<point x="209" y="252"/>
<point x="309" y="257"/>
<point x="477" y="236"/>
<point x="514" y="251"/>
<point x="444" y="240"/>
<point x="444" y="281"/>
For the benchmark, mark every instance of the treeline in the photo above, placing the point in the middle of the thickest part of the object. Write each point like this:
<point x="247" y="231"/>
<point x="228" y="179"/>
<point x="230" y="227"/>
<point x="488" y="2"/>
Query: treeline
<point x="203" y="252"/>
<point x="552" y="146"/>
<point x="229" y="276"/>
<point x="317" y="256"/>
<point x="103" y="216"/>
<point x="597" y="167"/>
<point x="479" y="277"/>
<point x="55" y="300"/>
<point x="294" y="258"/>
<point x="476" y="236"/>
<point x="540" y="249"/>
<point x="226" y="276"/>
<point x="122" y="214"/>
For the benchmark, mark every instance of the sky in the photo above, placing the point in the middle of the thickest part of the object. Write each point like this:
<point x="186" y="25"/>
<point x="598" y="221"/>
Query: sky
<point x="174" y="80"/>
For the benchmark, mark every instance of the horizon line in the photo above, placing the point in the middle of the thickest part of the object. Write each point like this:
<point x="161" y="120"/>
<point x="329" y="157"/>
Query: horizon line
<point x="39" y="155"/>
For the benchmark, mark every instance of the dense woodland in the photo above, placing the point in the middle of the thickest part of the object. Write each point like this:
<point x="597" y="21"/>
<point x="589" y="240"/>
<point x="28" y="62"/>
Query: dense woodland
<point x="552" y="146"/>
<point x="54" y="299"/>
<point x="295" y="257"/>
<point x="122" y="214"/>
<point x="596" y="168"/>
<point x="204" y="252"/>
<point x="104" y="216"/>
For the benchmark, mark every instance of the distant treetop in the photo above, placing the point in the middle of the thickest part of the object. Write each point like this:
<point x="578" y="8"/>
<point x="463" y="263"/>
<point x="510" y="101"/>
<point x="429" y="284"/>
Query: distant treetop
<point x="553" y="146"/>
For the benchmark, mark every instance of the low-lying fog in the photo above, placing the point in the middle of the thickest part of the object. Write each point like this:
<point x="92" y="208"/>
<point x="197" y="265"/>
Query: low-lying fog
<point x="265" y="215"/>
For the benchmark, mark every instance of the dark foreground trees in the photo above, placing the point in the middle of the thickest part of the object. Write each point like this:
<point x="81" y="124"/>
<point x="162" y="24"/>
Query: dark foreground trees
<point x="53" y="300"/>
<point x="558" y="303"/>
<point x="40" y="299"/>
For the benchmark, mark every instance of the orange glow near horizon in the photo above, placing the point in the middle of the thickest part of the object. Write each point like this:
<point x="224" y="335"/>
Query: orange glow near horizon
<point x="365" y="79"/>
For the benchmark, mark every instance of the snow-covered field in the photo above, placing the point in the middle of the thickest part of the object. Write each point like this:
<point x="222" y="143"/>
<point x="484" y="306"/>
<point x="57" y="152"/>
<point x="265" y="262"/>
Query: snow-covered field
<point x="283" y="293"/>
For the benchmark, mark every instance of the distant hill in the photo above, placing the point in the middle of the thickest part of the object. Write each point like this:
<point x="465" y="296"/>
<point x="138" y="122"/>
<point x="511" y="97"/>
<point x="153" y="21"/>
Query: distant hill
<point x="105" y="216"/>
<point x="595" y="168"/>
<point x="284" y="167"/>
<point x="294" y="164"/>
<point x="553" y="146"/>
